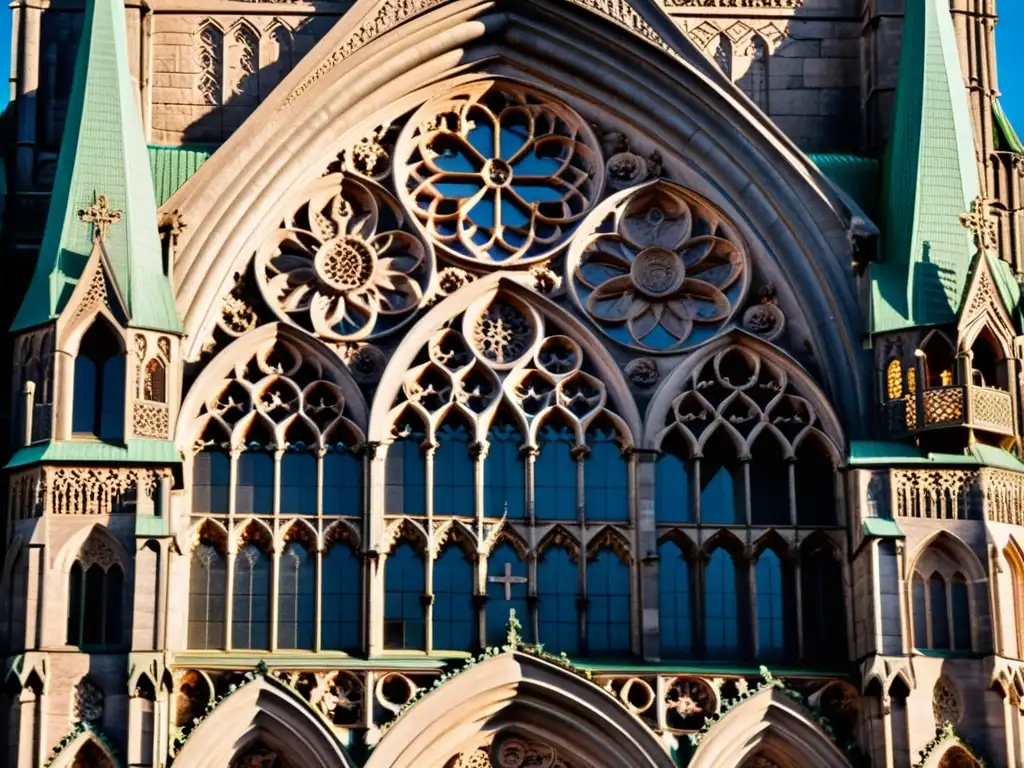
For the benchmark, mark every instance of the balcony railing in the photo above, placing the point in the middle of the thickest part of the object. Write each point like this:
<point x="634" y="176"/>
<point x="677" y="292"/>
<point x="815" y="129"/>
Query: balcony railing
<point x="989" y="494"/>
<point x="982" y="408"/>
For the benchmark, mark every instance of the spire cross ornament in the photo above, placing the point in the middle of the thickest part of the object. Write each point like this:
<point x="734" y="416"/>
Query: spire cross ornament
<point x="101" y="216"/>
<point x="979" y="221"/>
<point x="508" y="580"/>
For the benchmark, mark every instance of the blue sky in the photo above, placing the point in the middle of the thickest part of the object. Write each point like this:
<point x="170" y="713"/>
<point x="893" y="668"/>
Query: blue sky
<point x="1009" y="36"/>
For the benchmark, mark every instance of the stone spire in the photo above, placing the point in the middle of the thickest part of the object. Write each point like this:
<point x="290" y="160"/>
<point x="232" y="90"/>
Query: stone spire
<point x="931" y="178"/>
<point x="103" y="196"/>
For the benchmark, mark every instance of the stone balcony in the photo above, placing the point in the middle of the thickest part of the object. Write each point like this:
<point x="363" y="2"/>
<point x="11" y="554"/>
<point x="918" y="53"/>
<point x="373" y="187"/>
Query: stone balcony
<point x="983" y="493"/>
<point x="981" y="408"/>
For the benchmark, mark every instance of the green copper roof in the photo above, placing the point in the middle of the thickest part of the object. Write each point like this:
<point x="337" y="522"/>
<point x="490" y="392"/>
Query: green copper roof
<point x="878" y="453"/>
<point x="173" y="166"/>
<point x="96" y="452"/>
<point x="1006" y="138"/>
<point x="1006" y="283"/>
<point x="103" y="152"/>
<point x="857" y="176"/>
<point x="882" y="528"/>
<point x="931" y="177"/>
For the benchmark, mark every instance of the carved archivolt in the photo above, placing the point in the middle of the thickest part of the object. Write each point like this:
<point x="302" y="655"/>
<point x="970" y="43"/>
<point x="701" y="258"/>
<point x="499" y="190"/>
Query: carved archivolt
<point x="658" y="268"/>
<point x="342" y="265"/>
<point x="498" y="172"/>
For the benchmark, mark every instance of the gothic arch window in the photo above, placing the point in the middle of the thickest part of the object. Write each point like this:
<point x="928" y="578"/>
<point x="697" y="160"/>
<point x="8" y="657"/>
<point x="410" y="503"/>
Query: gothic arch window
<point x="894" y="380"/>
<point x="250" y="599"/>
<point x="211" y="482"/>
<point x="1015" y="560"/>
<point x="558" y="597"/>
<point x="296" y="596"/>
<point x="672" y="482"/>
<point x="299" y="480"/>
<point x="454" y="470"/>
<point x="675" y="595"/>
<point x="824" y="614"/>
<point x="814" y="484"/>
<point x="154" y="385"/>
<point x="244" y="64"/>
<point x="988" y="363"/>
<point x="608" y="608"/>
<point x="505" y="471"/>
<point x="943" y="611"/>
<point x="99" y="388"/>
<point x="773" y="605"/>
<point x="454" y="617"/>
<point x="555" y="472"/>
<point x="95" y="597"/>
<point x="937" y="357"/>
<point x="210" y="55"/>
<point x="404" y="595"/>
<point x="342" y="481"/>
<point x="507" y="590"/>
<point x="605" y="475"/>
<point x="254" y="484"/>
<point x="721" y="605"/>
<point x="721" y="482"/>
<point x="406" y="471"/>
<point x="769" y="475"/>
<point x="341" y="588"/>
<point x="945" y="703"/>
<point x="207" y="604"/>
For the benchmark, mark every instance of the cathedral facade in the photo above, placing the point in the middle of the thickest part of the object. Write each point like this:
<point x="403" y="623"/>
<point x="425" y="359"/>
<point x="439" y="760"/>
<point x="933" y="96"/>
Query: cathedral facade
<point x="508" y="383"/>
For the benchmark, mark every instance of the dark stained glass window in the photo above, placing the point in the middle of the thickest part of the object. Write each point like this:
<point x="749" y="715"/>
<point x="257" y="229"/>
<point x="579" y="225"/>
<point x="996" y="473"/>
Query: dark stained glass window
<point x="557" y="612"/>
<point x="720" y="482"/>
<point x="406" y="475"/>
<point x="296" y="595"/>
<point x="250" y="604"/>
<point x="608" y="615"/>
<point x="606" y="477"/>
<point x="454" y="616"/>
<point x="341" y="590"/>
<point x="504" y="473"/>
<point x="211" y="482"/>
<point x="940" y="613"/>
<point x="343" y="482"/>
<point x="824" y="616"/>
<point x="207" y="598"/>
<point x="454" y="473"/>
<point x="771" y="623"/>
<point x="404" y="587"/>
<point x="920" y="613"/>
<point x="672" y="490"/>
<point x="675" y="621"/>
<point x="961" y="613"/>
<point x="99" y="388"/>
<point x="254" y="489"/>
<point x="721" y="606"/>
<point x="555" y="475"/>
<point x="95" y="605"/>
<point x="298" y="483"/>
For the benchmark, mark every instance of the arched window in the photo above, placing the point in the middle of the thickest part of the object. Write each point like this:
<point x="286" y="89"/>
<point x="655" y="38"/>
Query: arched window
<point x="254" y="489"/>
<point x="771" y="606"/>
<point x="454" y="471"/>
<point x="298" y="483"/>
<point x="95" y="598"/>
<point x="605" y="476"/>
<point x="608" y="614"/>
<point x="769" y="482"/>
<point x="961" y="613"/>
<point x="343" y="481"/>
<point x="988" y="365"/>
<point x="404" y="588"/>
<point x="98" y="403"/>
<point x="721" y="606"/>
<point x="672" y="500"/>
<point x="938" y="354"/>
<point x="207" y="601"/>
<point x="507" y="590"/>
<point x="721" y="498"/>
<point x="814" y="485"/>
<point x="1016" y="562"/>
<point x="250" y="603"/>
<point x="920" y="600"/>
<point x="722" y="54"/>
<point x="939" y="609"/>
<point x="824" y="611"/>
<point x="504" y="472"/>
<point x="558" y="591"/>
<point x="211" y="482"/>
<point x="894" y="380"/>
<point x="341" y="590"/>
<point x="296" y="596"/>
<point x="675" y="622"/>
<point x="454" y="615"/>
<point x="154" y="385"/>
<point x="555" y="474"/>
<point x="406" y="473"/>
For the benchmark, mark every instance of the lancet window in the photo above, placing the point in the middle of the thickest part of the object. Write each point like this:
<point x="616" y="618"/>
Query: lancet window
<point x="940" y="595"/>
<point x="99" y="388"/>
<point x="95" y="596"/>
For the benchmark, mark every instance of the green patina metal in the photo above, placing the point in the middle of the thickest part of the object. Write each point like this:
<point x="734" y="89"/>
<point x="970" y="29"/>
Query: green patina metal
<point x="1006" y="137"/>
<point x="855" y="175"/>
<point x="882" y="528"/>
<point x="103" y="152"/>
<point x="931" y="177"/>
<point x="96" y="452"/>
<point x="173" y="166"/>
<point x="868" y="453"/>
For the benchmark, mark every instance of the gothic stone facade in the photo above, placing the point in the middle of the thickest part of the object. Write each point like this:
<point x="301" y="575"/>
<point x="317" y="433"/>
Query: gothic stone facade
<point x="492" y="307"/>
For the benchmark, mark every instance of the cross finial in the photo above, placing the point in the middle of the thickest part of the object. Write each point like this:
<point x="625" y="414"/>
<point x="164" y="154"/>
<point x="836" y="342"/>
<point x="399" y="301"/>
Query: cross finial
<point x="979" y="221"/>
<point x="101" y="216"/>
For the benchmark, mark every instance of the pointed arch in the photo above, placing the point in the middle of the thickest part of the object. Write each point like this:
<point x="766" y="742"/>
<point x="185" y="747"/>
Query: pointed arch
<point x="542" y="701"/>
<point x="1015" y="558"/>
<point x="73" y="545"/>
<point x="266" y="711"/>
<point x="773" y="721"/>
<point x="92" y="751"/>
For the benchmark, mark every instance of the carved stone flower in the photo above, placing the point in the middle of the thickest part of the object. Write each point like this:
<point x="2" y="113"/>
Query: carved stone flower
<point x="342" y="265"/>
<point x="669" y="274"/>
<point x="500" y="173"/>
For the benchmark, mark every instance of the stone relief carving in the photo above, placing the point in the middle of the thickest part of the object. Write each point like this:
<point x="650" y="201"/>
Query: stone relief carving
<point x="343" y="265"/>
<point x="210" y="58"/>
<point x="25" y="489"/>
<point x="33" y="363"/>
<point x="96" y="490"/>
<point x="96" y="551"/>
<point x="499" y="173"/>
<point x="945" y="703"/>
<point x="87" y="704"/>
<point x="643" y="371"/>
<point x="765" y="319"/>
<point x="237" y="315"/>
<point x="669" y="274"/>
<point x="366" y="362"/>
<point x="511" y="752"/>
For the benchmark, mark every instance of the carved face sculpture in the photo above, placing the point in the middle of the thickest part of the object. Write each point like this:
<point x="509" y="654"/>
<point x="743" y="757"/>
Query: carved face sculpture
<point x="669" y="275"/>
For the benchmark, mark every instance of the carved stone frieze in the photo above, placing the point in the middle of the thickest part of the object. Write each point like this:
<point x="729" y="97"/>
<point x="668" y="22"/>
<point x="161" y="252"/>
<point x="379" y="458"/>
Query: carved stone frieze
<point x="95" y="490"/>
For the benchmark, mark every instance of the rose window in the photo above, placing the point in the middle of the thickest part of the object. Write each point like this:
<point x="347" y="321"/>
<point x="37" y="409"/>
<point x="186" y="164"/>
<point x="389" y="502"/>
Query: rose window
<point x="342" y="266"/>
<point x="658" y="268"/>
<point x="499" y="173"/>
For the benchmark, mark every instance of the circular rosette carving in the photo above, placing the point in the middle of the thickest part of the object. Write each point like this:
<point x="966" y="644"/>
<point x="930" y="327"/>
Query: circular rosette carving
<point x="501" y="329"/>
<point x="342" y="265"/>
<point x="499" y="173"/>
<point x="658" y="268"/>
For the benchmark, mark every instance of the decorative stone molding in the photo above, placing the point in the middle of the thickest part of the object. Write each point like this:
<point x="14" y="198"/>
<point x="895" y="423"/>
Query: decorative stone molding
<point x="26" y="494"/>
<point x="96" y="490"/>
<point x="33" y="363"/>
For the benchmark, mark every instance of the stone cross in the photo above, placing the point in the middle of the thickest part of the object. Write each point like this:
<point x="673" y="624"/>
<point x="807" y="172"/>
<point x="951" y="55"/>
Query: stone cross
<point x="508" y="580"/>
<point x="101" y="216"/>
<point x="979" y="221"/>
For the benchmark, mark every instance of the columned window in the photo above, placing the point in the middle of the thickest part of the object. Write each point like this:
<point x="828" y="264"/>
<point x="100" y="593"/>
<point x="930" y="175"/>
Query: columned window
<point x="99" y="389"/>
<point x="405" y="620"/>
<point x="558" y="598"/>
<point x="95" y="597"/>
